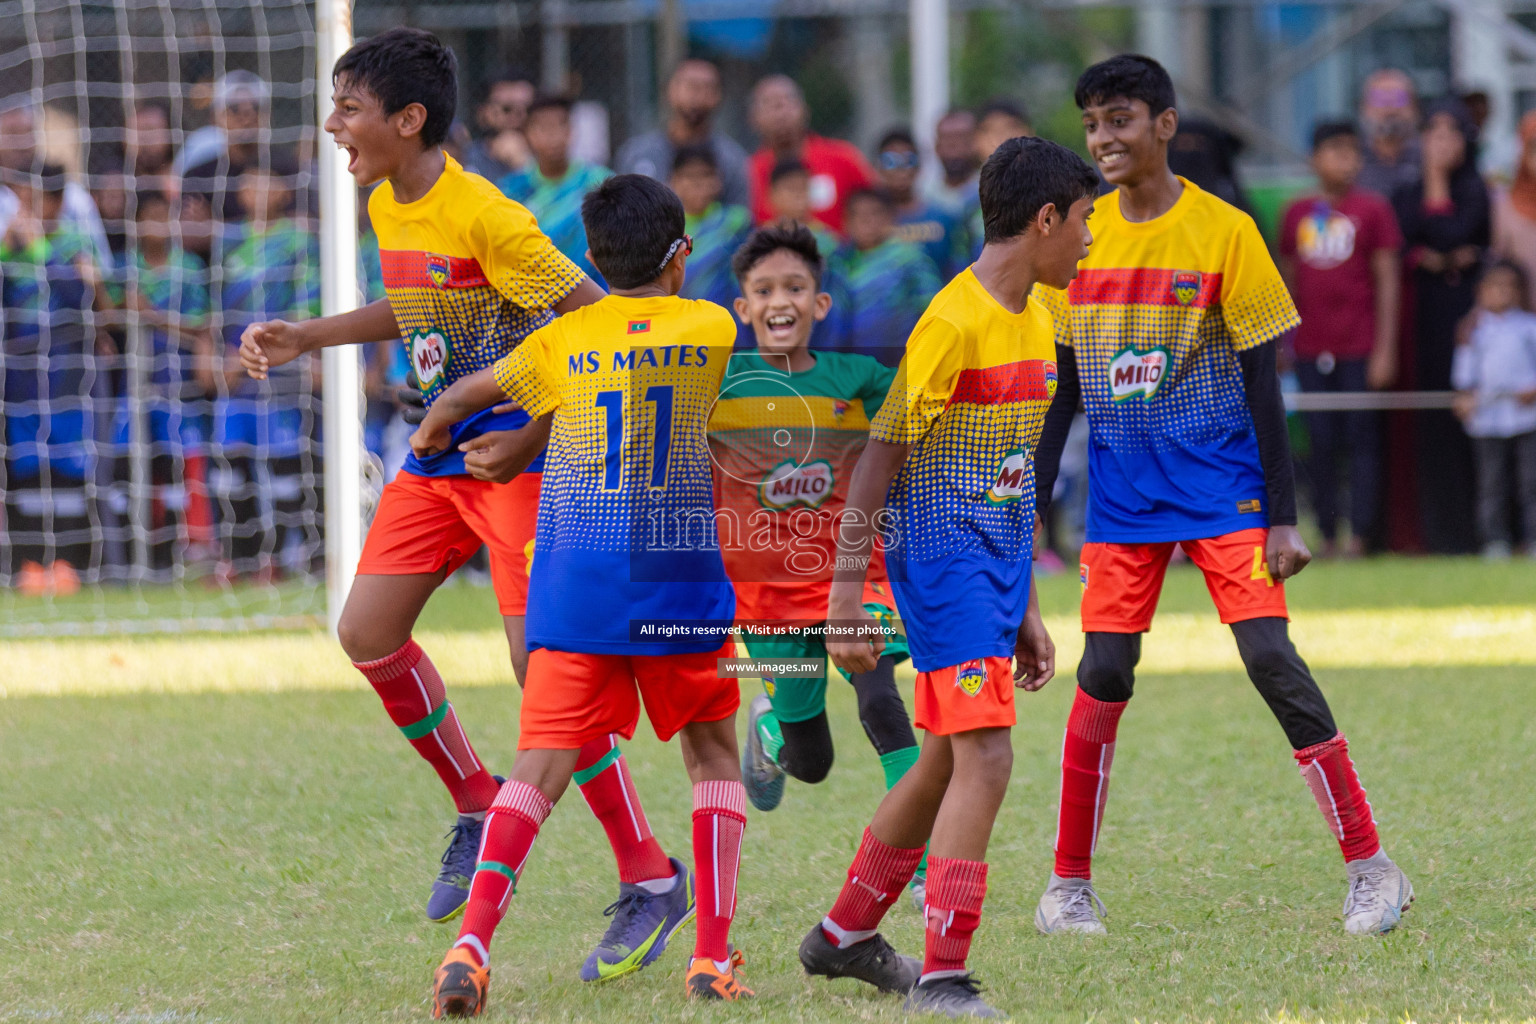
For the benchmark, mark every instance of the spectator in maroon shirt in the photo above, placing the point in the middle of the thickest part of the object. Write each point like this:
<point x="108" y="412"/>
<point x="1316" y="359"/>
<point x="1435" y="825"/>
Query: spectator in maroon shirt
<point x="780" y="118"/>
<point x="1340" y="252"/>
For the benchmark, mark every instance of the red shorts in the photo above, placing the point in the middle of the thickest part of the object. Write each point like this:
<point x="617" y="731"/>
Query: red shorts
<point x="428" y="523"/>
<point x="572" y="698"/>
<point x="976" y="694"/>
<point x="1121" y="582"/>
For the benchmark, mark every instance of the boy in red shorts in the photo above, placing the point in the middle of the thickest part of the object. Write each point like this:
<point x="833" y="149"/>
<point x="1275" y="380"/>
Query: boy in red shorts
<point x="468" y="275"/>
<point x="950" y="457"/>
<point x="630" y="601"/>
<point x="1169" y="335"/>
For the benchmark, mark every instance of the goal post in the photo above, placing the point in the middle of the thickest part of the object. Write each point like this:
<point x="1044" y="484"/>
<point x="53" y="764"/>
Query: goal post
<point x="342" y="387"/>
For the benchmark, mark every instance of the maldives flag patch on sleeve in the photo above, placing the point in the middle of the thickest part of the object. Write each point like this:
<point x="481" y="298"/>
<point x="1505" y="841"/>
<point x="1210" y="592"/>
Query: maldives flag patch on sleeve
<point x="639" y="327"/>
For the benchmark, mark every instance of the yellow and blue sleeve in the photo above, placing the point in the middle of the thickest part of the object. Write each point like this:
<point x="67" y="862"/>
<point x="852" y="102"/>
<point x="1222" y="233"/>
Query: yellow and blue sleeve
<point x="925" y="380"/>
<point x="1255" y="304"/>
<point x="518" y="259"/>
<point x="527" y="373"/>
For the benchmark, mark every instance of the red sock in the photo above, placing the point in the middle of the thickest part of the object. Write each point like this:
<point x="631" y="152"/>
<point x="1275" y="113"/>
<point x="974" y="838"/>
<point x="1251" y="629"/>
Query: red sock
<point x="417" y="703"/>
<point x="956" y="889"/>
<point x="1086" y="754"/>
<point x="1330" y="774"/>
<point x="876" y="878"/>
<point x="510" y="829"/>
<point x="603" y="776"/>
<point x="719" y="819"/>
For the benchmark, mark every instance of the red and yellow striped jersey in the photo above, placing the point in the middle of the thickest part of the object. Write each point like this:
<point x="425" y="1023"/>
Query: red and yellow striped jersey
<point x="469" y="275"/>
<point x="1156" y="317"/>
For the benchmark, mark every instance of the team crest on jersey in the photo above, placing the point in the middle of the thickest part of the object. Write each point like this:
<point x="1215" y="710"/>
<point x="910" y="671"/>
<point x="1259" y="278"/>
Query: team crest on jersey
<point x="789" y="484"/>
<point x="971" y="676"/>
<point x="437" y="269"/>
<point x="1008" y="481"/>
<point x="1135" y="374"/>
<point x="839" y="409"/>
<point x="1186" y="286"/>
<point x="1082" y="574"/>
<point x="1050" y="379"/>
<point x="429" y="357"/>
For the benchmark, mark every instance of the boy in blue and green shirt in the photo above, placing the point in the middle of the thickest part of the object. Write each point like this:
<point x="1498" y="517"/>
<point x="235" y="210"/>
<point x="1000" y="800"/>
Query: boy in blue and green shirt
<point x="553" y="185"/>
<point x="881" y="283"/>
<point x="717" y="229"/>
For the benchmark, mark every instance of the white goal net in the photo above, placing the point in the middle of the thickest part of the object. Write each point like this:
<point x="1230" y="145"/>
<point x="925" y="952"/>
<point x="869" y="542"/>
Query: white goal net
<point x="161" y="171"/>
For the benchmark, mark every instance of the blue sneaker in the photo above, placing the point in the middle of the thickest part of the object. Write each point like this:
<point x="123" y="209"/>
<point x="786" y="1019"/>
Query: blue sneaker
<point x="450" y="890"/>
<point x="642" y="923"/>
<point x="760" y="772"/>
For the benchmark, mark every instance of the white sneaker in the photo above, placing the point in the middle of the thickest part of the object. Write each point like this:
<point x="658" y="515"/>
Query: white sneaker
<point x="1379" y="892"/>
<point x="1070" y="905"/>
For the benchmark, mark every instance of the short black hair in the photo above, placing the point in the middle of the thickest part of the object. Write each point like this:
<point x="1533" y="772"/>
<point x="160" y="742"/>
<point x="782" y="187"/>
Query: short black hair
<point x="404" y="66"/>
<point x="870" y="195"/>
<point x="1327" y="131"/>
<point x="544" y="101"/>
<point x="784" y="168"/>
<point x="901" y="135"/>
<point x="1002" y="105"/>
<point x="632" y="222"/>
<point x="504" y="75"/>
<point x="695" y="153"/>
<point x="1025" y="174"/>
<point x="1130" y="75"/>
<point x="764" y="242"/>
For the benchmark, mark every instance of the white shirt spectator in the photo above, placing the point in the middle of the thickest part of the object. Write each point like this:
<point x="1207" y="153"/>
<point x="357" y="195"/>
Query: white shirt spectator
<point x="1497" y="364"/>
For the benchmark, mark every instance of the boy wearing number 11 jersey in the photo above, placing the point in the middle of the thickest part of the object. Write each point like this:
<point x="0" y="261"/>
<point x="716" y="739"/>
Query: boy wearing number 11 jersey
<point x="627" y="385"/>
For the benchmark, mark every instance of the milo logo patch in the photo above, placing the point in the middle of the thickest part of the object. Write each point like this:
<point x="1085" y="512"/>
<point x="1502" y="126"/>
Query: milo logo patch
<point x="1135" y="374"/>
<point x="789" y="484"/>
<point x="429" y="357"/>
<point x="1008" y="482"/>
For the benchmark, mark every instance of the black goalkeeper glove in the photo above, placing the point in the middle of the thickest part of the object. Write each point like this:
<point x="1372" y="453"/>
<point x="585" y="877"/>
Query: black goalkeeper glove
<point x="413" y="398"/>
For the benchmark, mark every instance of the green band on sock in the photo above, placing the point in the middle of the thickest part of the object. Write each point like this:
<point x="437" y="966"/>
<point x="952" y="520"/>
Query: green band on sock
<point x="896" y="764"/>
<point x="772" y="736"/>
<point x="416" y="730"/>
<point x="601" y="765"/>
<point x="500" y="868"/>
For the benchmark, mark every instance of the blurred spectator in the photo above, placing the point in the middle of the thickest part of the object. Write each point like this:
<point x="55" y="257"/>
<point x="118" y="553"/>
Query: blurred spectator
<point x="147" y="147"/>
<point x="553" y="185"/>
<point x="265" y="430"/>
<point x="789" y="202"/>
<point x="931" y="227"/>
<point x="717" y="228"/>
<point x="50" y="288"/>
<point x="1514" y="209"/>
<point x="1495" y="377"/>
<point x="215" y="157"/>
<point x="997" y="121"/>
<point x="168" y="289"/>
<point x="836" y="168"/>
<point x="1445" y="222"/>
<point x="20" y="150"/>
<point x="498" y="147"/>
<point x="954" y="145"/>
<point x="109" y="191"/>
<point x="880" y="284"/>
<point x="1340" y="252"/>
<point x="1206" y="154"/>
<point x="1389" y="119"/>
<point x="693" y="98"/>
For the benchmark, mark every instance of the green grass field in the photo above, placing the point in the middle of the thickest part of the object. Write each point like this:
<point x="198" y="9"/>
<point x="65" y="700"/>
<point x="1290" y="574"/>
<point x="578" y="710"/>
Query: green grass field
<point x="226" y="828"/>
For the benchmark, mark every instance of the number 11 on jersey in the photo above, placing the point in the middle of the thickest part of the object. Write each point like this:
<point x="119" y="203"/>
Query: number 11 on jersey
<point x="612" y="404"/>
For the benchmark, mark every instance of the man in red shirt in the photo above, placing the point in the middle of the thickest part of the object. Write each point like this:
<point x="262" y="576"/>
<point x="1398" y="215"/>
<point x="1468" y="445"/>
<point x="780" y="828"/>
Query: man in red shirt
<point x="780" y="118"/>
<point x="1339" y="252"/>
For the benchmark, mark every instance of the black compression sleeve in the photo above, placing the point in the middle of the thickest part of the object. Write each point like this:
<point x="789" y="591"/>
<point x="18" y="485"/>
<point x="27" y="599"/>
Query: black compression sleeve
<point x="1261" y="384"/>
<point x="1058" y="421"/>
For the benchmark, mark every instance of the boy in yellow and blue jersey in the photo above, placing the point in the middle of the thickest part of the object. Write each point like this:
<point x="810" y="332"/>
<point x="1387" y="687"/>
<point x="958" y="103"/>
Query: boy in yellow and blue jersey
<point x="626" y="386"/>
<point x="1169" y="335"/>
<point x="951" y="459"/>
<point x="468" y="275"/>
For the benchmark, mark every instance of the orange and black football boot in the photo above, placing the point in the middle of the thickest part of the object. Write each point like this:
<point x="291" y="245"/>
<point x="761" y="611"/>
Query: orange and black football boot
<point x="460" y="986"/>
<point x="706" y="981"/>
